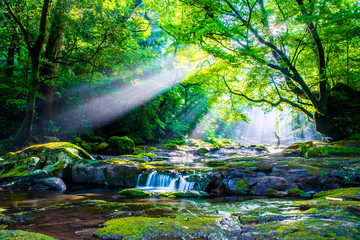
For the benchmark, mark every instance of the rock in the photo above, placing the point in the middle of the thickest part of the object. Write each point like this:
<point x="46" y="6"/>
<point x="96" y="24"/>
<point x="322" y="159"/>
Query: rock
<point x="121" y="145"/>
<point x="37" y="174"/>
<point x="102" y="148"/>
<point x="276" y="183"/>
<point x="121" y="175"/>
<point x="308" y="183"/>
<point x="202" y="151"/>
<point x="51" y="183"/>
<point x="170" y="228"/>
<point x="185" y="194"/>
<point x="19" y="234"/>
<point x="89" y="174"/>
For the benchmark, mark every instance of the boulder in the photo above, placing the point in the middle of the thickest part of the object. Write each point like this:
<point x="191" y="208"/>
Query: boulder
<point x="53" y="183"/>
<point x="277" y="183"/>
<point x="121" y="145"/>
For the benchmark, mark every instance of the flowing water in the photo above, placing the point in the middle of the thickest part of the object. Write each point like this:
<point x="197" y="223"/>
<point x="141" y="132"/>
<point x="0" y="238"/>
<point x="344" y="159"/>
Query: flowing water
<point x="162" y="182"/>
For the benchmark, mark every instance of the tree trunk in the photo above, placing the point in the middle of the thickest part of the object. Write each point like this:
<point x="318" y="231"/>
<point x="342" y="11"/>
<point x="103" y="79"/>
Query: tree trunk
<point x="35" y="49"/>
<point x="50" y="69"/>
<point x="26" y="130"/>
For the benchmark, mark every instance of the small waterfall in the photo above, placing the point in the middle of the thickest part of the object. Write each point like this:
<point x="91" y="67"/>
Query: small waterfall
<point x="166" y="183"/>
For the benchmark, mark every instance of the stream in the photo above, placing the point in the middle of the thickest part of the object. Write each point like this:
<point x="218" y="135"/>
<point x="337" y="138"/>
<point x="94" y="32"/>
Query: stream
<point x="228" y="212"/>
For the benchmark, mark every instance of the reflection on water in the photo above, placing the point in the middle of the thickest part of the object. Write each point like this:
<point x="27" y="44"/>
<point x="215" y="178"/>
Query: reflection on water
<point x="87" y="192"/>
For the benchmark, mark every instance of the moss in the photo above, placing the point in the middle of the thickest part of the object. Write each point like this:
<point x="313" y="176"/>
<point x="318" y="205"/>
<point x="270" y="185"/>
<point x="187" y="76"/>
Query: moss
<point x="135" y="192"/>
<point x="151" y="155"/>
<point x="18" y="234"/>
<point x="339" y="193"/>
<point x="121" y="145"/>
<point x="271" y="192"/>
<point x="18" y="171"/>
<point x="295" y="192"/>
<point x="56" y="168"/>
<point x="185" y="194"/>
<point x="245" y="164"/>
<point x="215" y="163"/>
<point x="101" y="148"/>
<point x="241" y="185"/>
<point x="309" y="229"/>
<point x="170" y="146"/>
<point x="202" y="151"/>
<point x="9" y="155"/>
<point x="334" y="149"/>
<point x="148" y="227"/>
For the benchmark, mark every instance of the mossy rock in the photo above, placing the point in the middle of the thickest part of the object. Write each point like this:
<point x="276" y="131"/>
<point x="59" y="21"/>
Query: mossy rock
<point x="215" y="163"/>
<point x="135" y="193"/>
<point x="19" y="234"/>
<point x="101" y="148"/>
<point x="202" y="151"/>
<point x="51" y="157"/>
<point x="333" y="149"/>
<point x="295" y="192"/>
<point x="338" y="193"/>
<point x="170" y="146"/>
<point x="162" y="228"/>
<point x="271" y="192"/>
<point x="121" y="145"/>
<point x="185" y="194"/>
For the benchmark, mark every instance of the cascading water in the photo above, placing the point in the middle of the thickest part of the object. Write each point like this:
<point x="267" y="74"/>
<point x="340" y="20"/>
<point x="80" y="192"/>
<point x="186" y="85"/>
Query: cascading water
<point x="165" y="183"/>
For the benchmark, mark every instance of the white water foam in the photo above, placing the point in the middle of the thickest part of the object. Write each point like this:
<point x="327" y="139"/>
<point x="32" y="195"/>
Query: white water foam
<point x="159" y="182"/>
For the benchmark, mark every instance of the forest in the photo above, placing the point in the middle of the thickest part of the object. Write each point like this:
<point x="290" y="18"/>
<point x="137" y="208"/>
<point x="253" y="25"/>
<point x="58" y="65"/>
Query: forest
<point x="174" y="99"/>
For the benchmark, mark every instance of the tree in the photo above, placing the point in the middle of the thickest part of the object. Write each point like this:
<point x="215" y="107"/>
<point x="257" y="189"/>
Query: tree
<point x="276" y="52"/>
<point x="75" y="37"/>
<point x="35" y="48"/>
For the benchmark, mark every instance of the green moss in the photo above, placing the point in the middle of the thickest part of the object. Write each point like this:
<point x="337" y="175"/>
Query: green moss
<point x="241" y="185"/>
<point x="309" y="229"/>
<point x="245" y="164"/>
<point x="135" y="193"/>
<point x="56" y="168"/>
<point x="18" y="234"/>
<point x="202" y="151"/>
<point x="184" y="194"/>
<point x="339" y="193"/>
<point x="121" y="145"/>
<point x="332" y="150"/>
<point x="151" y="155"/>
<point x="295" y="192"/>
<point x="271" y="192"/>
<point x="170" y="146"/>
<point x="148" y="227"/>
<point x="18" y="171"/>
<point x="215" y="163"/>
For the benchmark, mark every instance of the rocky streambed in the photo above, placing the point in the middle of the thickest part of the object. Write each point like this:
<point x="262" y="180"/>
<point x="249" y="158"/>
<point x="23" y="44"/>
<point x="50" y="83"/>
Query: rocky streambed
<point x="231" y="193"/>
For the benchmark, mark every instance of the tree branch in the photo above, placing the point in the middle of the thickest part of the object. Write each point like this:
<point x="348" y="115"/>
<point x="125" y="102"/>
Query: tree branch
<point x="23" y="30"/>
<point x="273" y="104"/>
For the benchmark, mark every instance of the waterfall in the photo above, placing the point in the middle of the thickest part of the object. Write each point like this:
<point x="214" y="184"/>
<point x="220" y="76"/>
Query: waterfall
<point x="166" y="183"/>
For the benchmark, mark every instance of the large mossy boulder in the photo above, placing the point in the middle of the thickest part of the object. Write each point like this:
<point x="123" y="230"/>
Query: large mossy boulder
<point x="121" y="145"/>
<point x="53" y="157"/>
